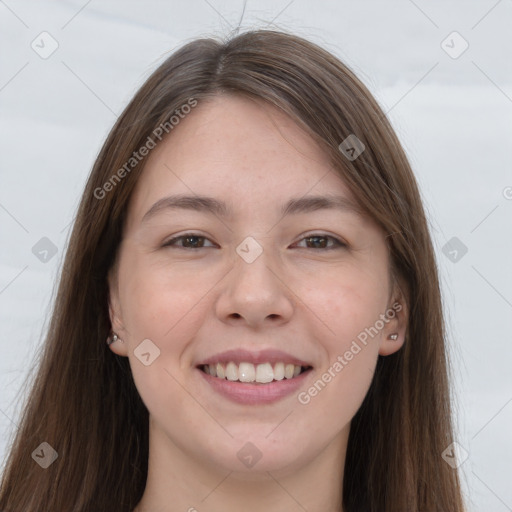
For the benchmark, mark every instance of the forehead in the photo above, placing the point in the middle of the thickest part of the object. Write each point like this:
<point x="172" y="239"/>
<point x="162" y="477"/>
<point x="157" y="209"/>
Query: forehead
<point x="246" y="152"/>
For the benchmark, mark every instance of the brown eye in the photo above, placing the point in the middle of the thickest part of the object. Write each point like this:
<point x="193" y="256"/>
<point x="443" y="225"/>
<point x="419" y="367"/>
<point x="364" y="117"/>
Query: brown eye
<point x="322" y="241"/>
<point x="189" y="241"/>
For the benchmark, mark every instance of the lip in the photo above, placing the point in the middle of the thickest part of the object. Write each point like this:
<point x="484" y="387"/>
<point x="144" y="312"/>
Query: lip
<point x="263" y="356"/>
<point x="255" y="394"/>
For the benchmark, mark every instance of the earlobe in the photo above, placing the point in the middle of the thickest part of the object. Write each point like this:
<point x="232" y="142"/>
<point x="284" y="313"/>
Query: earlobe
<point x="116" y="344"/>
<point x="115" y="340"/>
<point x="391" y="344"/>
<point x="394" y="333"/>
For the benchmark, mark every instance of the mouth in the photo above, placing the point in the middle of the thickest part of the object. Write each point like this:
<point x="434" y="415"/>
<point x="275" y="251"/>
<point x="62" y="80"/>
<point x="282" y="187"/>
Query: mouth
<point x="254" y="378"/>
<point x="249" y="373"/>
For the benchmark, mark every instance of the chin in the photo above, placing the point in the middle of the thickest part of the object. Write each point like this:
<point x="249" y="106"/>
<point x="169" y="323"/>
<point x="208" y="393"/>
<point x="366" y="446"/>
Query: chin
<point x="252" y="456"/>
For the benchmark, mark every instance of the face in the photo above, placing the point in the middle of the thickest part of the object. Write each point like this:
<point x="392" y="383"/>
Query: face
<point x="260" y="281"/>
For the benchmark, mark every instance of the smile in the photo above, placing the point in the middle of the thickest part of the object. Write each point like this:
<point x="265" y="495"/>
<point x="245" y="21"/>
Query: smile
<point x="252" y="392"/>
<point x="263" y="373"/>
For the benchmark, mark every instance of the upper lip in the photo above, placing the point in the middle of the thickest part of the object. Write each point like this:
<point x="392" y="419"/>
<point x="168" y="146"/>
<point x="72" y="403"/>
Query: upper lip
<point x="262" y="356"/>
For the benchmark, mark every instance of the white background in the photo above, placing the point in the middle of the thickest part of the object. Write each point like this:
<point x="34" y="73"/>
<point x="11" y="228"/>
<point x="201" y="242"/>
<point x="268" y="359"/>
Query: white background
<point x="453" y="116"/>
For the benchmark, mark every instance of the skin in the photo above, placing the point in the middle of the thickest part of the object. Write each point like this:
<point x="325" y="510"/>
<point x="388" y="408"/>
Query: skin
<point x="297" y="296"/>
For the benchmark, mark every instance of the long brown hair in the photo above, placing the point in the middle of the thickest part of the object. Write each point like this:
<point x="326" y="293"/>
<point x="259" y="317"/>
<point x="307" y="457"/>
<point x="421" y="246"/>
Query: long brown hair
<point x="83" y="401"/>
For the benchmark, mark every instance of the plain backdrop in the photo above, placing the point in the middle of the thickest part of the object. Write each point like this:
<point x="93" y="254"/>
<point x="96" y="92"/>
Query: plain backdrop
<point x="450" y="105"/>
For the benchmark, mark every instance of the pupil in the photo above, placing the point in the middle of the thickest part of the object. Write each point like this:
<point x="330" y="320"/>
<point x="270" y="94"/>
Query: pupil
<point x="316" y="238"/>
<point x="189" y="238"/>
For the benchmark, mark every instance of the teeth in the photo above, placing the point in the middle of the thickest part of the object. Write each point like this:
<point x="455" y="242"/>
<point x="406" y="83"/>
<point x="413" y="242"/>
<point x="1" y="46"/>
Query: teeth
<point x="220" y="371"/>
<point x="265" y="373"/>
<point x="279" y="371"/>
<point x="231" y="371"/>
<point x="247" y="372"/>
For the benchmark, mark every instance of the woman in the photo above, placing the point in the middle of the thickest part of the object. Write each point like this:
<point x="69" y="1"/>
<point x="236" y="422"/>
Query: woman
<point x="249" y="312"/>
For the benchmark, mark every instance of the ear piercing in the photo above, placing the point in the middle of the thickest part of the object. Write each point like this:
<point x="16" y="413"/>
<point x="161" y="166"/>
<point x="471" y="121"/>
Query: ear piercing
<point x="112" y="338"/>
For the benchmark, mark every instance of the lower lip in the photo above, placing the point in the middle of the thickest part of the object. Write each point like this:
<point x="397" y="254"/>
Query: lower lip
<point x="254" y="394"/>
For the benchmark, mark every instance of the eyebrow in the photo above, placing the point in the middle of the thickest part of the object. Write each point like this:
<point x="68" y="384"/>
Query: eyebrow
<point x="294" y="206"/>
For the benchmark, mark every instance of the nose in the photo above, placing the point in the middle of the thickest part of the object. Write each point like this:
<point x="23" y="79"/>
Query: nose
<point x="255" y="294"/>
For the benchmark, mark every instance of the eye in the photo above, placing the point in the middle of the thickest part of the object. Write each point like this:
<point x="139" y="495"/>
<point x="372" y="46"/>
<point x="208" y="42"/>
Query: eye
<point x="319" y="241"/>
<point x="193" y="241"/>
<point x="189" y="241"/>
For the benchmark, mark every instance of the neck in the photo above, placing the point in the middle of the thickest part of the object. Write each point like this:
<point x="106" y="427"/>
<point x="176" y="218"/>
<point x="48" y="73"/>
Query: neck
<point x="178" y="482"/>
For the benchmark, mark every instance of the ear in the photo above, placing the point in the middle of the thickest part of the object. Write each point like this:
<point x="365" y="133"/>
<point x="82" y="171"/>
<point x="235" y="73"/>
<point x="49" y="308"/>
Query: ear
<point x="397" y="314"/>
<point x="119" y="347"/>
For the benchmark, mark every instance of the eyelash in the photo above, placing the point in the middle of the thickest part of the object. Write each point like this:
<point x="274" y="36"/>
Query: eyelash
<point x="337" y="242"/>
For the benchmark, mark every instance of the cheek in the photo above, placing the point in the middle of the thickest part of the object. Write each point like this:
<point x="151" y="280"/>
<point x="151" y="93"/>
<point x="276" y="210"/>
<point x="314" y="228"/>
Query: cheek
<point x="162" y="305"/>
<point x="347" y="302"/>
<point x="349" y="308"/>
<point x="158" y="299"/>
